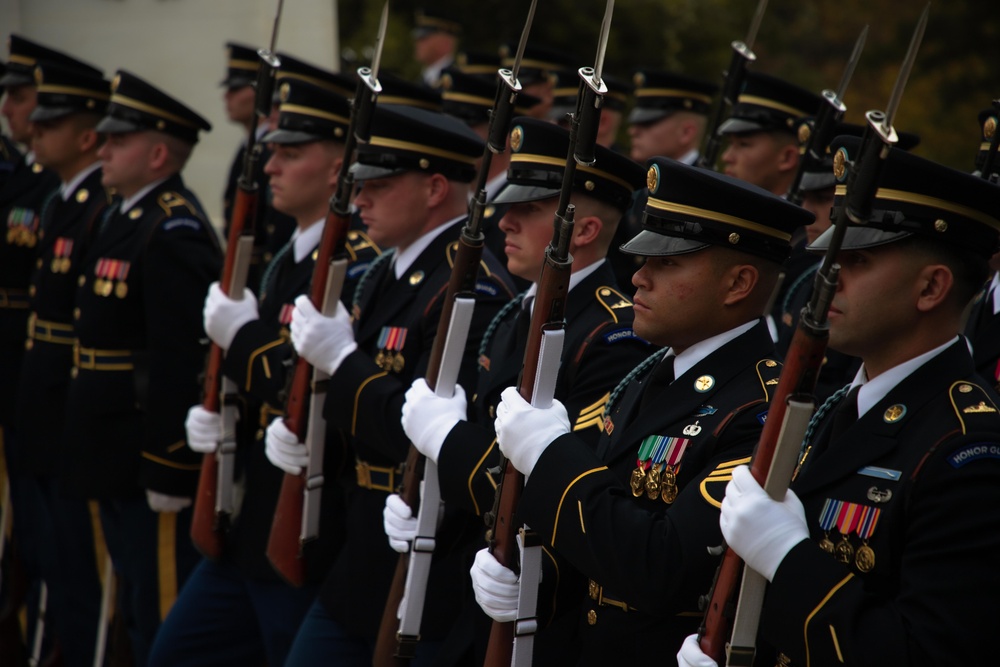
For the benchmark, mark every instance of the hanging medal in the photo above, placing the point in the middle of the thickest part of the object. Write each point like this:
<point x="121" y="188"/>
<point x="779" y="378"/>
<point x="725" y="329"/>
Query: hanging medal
<point x="847" y="521"/>
<point x="864" y="559"/>
<point x="638" y="478"/>
<point x="672" y="462"/>
<point x="121" y="275"/>
<point x="60" y="255"/>
<point x="827" y="519"/>
<point x="390" y="343"/>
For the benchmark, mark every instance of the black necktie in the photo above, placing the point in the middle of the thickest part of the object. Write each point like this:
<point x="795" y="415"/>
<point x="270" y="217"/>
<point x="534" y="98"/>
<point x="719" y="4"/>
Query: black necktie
<point x="659" y="379"/>
<point x="524" y="319"/>
<point x="845" y="414"/>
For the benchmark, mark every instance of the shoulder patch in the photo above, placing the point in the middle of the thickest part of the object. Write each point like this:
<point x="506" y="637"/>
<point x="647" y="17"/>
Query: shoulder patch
<point x="973" y="407"/>
<point x="355" y="269"/>
<point x="612" y="300"/>
<point x="975" y="451"/>
<point x="359" y="243"/>
<point x="620" y="334"/>
<point x="187" y="223"/>
<point x="713" y="487"/>
<point x="768" y="370"/>
<point x="169" y="201"/>
<point x="487" y="287"/>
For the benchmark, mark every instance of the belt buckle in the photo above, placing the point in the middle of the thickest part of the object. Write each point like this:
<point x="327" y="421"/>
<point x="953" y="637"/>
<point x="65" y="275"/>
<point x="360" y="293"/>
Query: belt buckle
<point x="364" y="474"/>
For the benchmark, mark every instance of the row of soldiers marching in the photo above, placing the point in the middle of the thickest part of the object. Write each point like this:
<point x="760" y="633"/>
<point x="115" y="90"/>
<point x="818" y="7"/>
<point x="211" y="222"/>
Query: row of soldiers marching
<point x="469" y="386"/>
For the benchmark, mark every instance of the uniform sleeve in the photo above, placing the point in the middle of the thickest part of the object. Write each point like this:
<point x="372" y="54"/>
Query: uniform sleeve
<point x="819" y="613"/>
<point x="181" y="261"/>
<point x="259" y="360"/>
<point x="657" y="560"/>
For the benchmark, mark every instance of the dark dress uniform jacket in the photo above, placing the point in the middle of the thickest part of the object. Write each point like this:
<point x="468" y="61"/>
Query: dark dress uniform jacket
<point x="928" y="457"/>
<point x="642" y="552"/>
<point x="260" y="362"/>
<point x="140" y="299"/>
<point x="600" y="348"/>
<point x="21" y="196"/>
<point x="365" y="401"/>
<point x="66" y="227"/>
<point x="983" y="329"/>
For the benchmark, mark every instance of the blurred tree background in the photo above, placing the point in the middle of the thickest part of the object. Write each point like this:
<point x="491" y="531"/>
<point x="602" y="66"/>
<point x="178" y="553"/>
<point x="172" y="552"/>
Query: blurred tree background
<point x="957" y="72"/>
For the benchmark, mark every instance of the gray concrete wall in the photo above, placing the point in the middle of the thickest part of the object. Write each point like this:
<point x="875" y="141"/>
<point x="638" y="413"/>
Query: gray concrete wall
<point x="178" y="45"/>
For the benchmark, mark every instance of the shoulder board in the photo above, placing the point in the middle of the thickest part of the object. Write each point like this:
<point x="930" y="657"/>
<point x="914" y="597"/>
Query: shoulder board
<point x="358" y="241"/>
<point x="452" y="251"/>
<point x="612" y="300"/>
<point x="170" y="201"/>
<point x="713" y="487"/>
<point x="974" y="407"/>
<point x="768" y="370"/>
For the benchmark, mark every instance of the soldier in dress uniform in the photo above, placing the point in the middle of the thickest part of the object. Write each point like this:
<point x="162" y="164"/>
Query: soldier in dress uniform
<point x="668" y="120"/>
<point x="636" y="516"/>
<point x="139" y="351"/>
<point x="435" y="41"/>
<point x="24" y="185"/>
<point x="71" y="101"/>
<point x="600" y="345"/>
<point x="413" y="199"/>
<point x="238" y="609"/>
<point x="271" y="228"/>
<point x="883" y="552"/>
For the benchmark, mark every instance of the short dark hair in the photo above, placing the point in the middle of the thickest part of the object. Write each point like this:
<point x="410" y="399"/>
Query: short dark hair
<point x="970" y="269"/>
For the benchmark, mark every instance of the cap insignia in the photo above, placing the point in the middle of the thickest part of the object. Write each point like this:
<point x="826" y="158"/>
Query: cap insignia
<point x="940" y="225"/>
<point x="516" y="138"/>
<point x="734" y="238"/>
<point x="989" y="127"/>
<point x="283" y="93"/>
<point x="840" y="165"/>
<point x="114" y="82"/>
<point x="653" y="179"/>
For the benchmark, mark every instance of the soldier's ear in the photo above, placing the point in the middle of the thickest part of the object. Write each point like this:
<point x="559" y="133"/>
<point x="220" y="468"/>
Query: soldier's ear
<point x="936" y="283"/>
<point x="741" y="279"/>
<point x="335" y="171"/>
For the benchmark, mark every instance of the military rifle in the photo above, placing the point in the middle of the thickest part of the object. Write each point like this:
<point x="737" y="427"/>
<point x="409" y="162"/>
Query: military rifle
<point x="793" y="400"/>
<point x="543" y="349"/>
<point x="296" y="516"/>
<point x="213" y="505"/>
<point x="395" y="647"/>
<point x="821" y="130"/>
<point x="732" y="83"/>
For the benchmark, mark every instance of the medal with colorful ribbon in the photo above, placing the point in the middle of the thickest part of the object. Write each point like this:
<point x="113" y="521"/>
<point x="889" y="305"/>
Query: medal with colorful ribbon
<point x="390" y="343"/>
<point x="22" y="224"/>
<point x="827" y="519"/>
<point x="660" y="455"/>
<point x="61" y="254"/>
<point x="847" y="521"/>
<point x="864" y="559"/>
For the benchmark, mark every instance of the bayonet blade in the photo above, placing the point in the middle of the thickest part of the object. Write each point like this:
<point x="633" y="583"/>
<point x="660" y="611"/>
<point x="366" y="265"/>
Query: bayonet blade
<point x="602" y="44"/>
<point x="904" y="71"/>
<point x="274" y="30"/>
<point x="524" y="40"/>
<point x="859" y="46"/>
<point x="758" y="16"/>
<point x="383" y="25"/>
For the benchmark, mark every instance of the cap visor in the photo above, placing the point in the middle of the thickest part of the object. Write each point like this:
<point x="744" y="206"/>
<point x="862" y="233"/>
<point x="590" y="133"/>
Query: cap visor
<point x="812" y="181"/>
<point x="513" y="193"/>
<point x="236" y="83"/>
<point x="651" y="244"/>
<point x="40" y="114"/>
<point x="289" y="137"/>
<point x="112" y="125"/>
<point x="739" y="125"/>
<point x="857" y="238"/>
<point x="640" y="116"/>
<point x="367" y="172"/>
<point x="11" y="79"/>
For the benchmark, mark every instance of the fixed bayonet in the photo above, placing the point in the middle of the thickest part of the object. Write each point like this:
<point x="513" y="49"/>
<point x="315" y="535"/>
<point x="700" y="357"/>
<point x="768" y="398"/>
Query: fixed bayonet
<point x="845" y="79"/>
<point x="516" y="69"/>
<point x="904" y="71"/>
<point x="758" y="17"/>
<point x="602" y="44"/>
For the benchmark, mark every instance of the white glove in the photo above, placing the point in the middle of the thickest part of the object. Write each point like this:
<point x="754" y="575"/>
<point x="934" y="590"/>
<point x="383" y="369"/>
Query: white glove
<point x="691" y="655"/>
<point x="523" y="432"/>
<point x="495" y="586"/>
<point x="428" y="419"/>
<point x="161" y="502"/>
<point x="322" y="341"/>
<point x="399" y="523"/>
<point x="223" y="317"/>
<point x="204" y="429"/>
<point x="760" y="530"/>
<point x="283" y="448"/>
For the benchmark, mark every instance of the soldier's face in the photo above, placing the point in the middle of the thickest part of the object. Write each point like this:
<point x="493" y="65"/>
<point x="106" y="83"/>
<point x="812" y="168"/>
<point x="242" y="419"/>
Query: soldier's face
<point x="758" y="158"/>
<point x="239" y="104"/>
<point x="394" y="209"/>
<point x="678" y="298"/>
<point x="819" y="203"/>
<point x="302" y="178"/>
<point x="864" y="322"/>
<point x="18" y="103"/>
<point x="55" y="142"/>
<point x="125" y="161"/>
<point x="667" y="137"/>
<point x="527" y="228"/>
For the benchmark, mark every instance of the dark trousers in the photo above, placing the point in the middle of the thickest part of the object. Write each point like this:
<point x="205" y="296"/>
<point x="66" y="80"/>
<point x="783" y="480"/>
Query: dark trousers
<point x="222" y="618"/>
<point x="323" y="641"/>
<point x="153" y="556"/>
